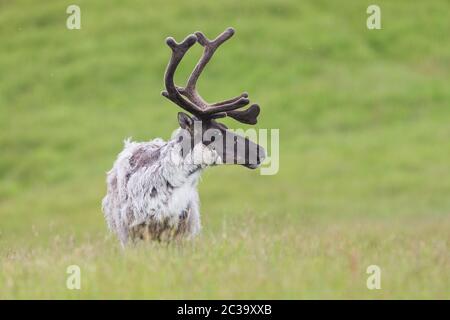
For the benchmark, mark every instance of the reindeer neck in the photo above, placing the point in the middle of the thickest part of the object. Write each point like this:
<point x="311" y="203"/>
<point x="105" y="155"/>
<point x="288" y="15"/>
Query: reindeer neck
<point x="176" y="169"/>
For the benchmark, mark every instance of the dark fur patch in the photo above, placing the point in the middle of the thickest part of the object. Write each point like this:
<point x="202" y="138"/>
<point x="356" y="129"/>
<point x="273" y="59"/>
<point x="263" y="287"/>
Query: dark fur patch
<point x="184" y="214"/>
<point x="114" y="182"/>
<point x="143" y="158"/>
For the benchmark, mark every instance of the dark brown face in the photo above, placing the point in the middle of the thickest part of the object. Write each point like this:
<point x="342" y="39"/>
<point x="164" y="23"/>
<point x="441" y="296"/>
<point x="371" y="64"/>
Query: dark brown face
<point x="231" y="147"/>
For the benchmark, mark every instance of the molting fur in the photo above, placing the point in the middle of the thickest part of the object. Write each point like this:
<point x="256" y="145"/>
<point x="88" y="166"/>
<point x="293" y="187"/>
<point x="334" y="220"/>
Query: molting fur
<point x="152" y="190"/>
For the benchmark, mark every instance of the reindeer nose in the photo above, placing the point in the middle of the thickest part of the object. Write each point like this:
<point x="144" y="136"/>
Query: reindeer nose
<point x="261" y="155"/>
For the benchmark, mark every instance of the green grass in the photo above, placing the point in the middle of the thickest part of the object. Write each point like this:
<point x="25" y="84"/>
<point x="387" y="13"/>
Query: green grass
<point x="364" y="123"/>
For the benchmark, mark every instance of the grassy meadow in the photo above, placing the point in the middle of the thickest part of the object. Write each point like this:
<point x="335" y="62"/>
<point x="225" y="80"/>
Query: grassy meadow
<point x="364" y="119"/>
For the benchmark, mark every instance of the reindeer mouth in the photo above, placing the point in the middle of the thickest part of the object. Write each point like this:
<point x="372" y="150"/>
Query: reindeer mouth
<point x="251" y="165"/>
<point x="261" y="155"/>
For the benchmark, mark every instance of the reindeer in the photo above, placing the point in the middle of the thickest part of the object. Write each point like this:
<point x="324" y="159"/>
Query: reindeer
<point x="152" y="187"/>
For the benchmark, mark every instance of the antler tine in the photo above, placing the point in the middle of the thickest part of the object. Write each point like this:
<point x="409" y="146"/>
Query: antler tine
<point x="210" y="48"/>
<point x="242" y="95"/>
<point x="190" y="90"/>
<point x="171" y="92"/>
<point x="248" y="116"/>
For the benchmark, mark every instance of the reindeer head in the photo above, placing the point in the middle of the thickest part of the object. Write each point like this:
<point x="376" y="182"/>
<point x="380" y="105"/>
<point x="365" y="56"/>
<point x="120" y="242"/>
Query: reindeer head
<point x="202" y="125"/>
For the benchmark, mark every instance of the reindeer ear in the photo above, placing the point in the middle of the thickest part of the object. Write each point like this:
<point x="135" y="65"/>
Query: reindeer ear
<point x="185" y="121"/>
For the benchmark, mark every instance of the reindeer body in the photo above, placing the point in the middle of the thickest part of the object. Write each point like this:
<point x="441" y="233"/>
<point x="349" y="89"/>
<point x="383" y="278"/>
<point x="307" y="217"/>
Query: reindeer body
<point x="152" y="187"/>
<point x="152" y="191"/>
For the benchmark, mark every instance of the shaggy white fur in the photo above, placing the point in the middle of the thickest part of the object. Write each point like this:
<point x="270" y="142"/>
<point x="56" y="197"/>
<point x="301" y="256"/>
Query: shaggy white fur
<point x="152" y="190"/>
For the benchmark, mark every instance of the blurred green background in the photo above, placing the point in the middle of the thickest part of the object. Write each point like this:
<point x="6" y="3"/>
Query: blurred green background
<point x="364" y="148"/>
